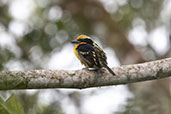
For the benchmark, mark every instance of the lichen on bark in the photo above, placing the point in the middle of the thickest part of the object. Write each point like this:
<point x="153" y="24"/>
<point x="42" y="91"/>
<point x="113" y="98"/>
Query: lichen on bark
<point x="41" y="79"/>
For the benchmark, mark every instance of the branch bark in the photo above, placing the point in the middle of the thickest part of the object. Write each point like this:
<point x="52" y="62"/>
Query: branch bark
<point x="41" y="79"/>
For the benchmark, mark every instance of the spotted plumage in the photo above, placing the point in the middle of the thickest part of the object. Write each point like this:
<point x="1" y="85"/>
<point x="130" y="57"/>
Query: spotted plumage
<point x="90" y="54"/>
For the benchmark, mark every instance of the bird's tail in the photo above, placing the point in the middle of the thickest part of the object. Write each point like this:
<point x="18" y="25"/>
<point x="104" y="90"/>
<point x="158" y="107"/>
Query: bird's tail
<point x="110" y="70"/>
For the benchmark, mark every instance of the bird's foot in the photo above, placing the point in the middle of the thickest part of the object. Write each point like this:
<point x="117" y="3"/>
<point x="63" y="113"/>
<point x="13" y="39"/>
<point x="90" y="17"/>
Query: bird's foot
<point x="91" y="69"/>
<point x="85" y="68"/>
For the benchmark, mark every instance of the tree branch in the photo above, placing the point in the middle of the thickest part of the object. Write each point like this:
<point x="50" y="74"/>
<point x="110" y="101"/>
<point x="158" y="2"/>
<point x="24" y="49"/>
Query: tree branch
<point x="41" y="79"/>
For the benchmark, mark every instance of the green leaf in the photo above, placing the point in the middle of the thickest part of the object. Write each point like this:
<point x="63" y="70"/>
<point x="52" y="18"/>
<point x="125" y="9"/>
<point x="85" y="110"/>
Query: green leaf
<point x="3" y="107"/>
<point x="11" y="106"/>
<point x="1" y="100"/>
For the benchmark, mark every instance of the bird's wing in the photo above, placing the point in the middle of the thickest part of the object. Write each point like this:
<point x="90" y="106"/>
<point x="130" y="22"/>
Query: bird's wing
<point x="101" y="54"/>
<point x="89" y="56"/>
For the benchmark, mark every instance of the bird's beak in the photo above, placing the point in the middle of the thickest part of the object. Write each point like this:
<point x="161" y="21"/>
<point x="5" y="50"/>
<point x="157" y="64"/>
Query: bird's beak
<point x="75" y="42"/>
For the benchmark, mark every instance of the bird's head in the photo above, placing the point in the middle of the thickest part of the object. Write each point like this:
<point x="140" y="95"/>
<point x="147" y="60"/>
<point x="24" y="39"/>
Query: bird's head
<point x="83" y="38"/>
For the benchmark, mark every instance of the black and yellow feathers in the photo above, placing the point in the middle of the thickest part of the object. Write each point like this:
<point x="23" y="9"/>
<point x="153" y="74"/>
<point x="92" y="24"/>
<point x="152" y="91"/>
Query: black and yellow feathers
<point x="89" y="53"/>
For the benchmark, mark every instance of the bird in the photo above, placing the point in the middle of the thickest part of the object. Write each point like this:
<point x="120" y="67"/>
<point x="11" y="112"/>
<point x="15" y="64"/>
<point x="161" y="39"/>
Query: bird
<point x="90" y="54"/>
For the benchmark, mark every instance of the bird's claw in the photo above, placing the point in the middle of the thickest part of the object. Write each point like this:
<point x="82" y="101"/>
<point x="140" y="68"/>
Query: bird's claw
<point x="85" y="68"/>
<point x="91" y="69"/>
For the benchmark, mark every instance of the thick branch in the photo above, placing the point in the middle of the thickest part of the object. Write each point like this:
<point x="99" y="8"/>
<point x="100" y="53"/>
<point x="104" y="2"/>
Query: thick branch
<point x="36" y="79"/>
